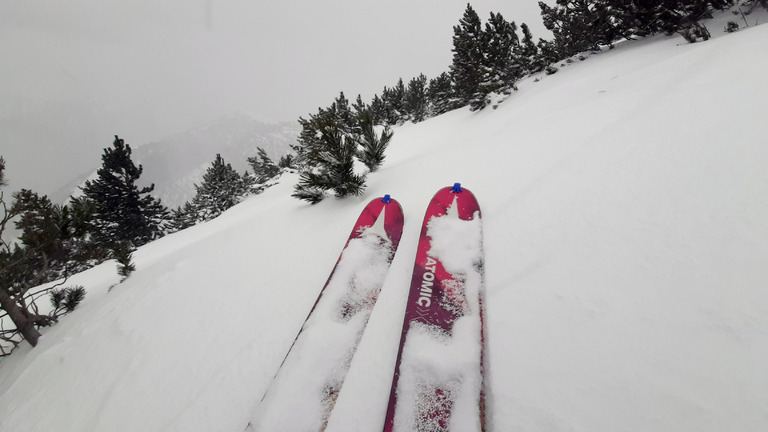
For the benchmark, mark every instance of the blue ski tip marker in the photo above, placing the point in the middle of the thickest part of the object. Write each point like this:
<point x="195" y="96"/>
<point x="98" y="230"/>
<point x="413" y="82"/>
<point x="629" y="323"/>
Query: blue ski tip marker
<point x="387" y="199"/>
<point x="456" y="188"/>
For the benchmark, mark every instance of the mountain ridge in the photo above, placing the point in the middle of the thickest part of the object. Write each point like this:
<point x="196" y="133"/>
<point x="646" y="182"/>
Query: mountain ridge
<point x="176" y="163"/>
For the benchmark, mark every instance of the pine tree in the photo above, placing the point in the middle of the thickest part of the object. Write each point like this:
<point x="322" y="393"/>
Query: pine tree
<point x="688" y="14"/>
<point x="393" y="100"/>
<point x="222" y="187"/>
<point x="373" y="144"/>
<point x="286" y="162"/>
<point x="83" y="251"/>
<point x="501" y="69"/>
<point x="67" y="299"/>
<point x="579" y="25"/>
<point x="416" y="104"/>
<point x="123" y="253"/>
<point x="440" y="94"/>
<point x="343" y="114"/>
<point x="378" y="109"/>
<point x="183" y="217"/>
<point x="306" y="140"/>
<point x="11" y="291"/>
<point x="55" y="239"/>
<point x="528" y="52"/>
<point x="262" y="166"/>
<point x="310" y="140"/>
<point x="466" y="69"/>
<point x="44" y="227"/>
<point x="331" y="165"/>
<point x="44" y="253"/>
<point x="123" y="211"/>
<point x="251" y="184"/>
<point x="361" y="107"/>
<point x="549" y="53"/>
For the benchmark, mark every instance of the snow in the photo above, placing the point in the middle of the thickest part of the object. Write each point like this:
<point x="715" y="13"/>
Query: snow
<point x="625" y="237"/>
<point x="456" y="243"/>
<point x="432" y="360"/>
<point x="316" y="366"/>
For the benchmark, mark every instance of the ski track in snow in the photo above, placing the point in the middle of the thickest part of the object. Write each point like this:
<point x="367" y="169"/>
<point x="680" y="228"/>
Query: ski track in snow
<point x="325" y="347"/>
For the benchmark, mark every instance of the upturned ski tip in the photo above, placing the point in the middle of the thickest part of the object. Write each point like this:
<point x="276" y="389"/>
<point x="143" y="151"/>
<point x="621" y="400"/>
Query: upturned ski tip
<point x="387" y="199"/>
<point x="456" y="188"/>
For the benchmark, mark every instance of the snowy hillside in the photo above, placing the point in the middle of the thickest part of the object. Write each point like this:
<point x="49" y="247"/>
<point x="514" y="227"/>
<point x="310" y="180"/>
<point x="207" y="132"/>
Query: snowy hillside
<point x="626" y="250"/>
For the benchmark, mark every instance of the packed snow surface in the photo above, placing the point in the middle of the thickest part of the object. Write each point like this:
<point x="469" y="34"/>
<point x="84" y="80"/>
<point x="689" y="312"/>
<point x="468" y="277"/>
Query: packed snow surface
<point x="625" y="232"/>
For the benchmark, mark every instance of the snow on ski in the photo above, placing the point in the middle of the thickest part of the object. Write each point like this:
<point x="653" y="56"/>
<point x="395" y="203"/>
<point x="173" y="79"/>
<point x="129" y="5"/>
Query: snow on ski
<point x="304" y="390"/>
<point x="438" y="380"/>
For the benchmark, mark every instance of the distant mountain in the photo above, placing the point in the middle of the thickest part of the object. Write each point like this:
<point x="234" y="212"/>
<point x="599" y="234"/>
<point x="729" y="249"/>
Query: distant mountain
<point x="176" y="163"/>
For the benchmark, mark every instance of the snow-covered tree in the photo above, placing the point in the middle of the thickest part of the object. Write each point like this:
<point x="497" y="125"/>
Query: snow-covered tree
<point x="124" y="212"/>
<point x="262" y="166"/>
<point x="527" y="52"/>
<point x="393" y="101"/>
<point x="46" y="247"/>
<point x="286" y="161"/>
<point x="183" y="217"/>
<point x="222" y="187"/>
<point x="373" y="144"/>
<point x="500" y="68"/>
<point x="579" y="25"/>
<point x="123" y="253"/>
<point x="416" y="100"/>
<point x="466" y="68"/>
<point x="310" y="140"/>
<point x="440" y="94"/>
<point x="330" y="165"/>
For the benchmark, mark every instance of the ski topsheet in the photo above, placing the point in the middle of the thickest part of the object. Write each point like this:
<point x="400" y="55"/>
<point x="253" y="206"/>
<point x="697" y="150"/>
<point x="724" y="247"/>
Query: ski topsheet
<point x="438" y="380"/>
<point x="305" y="388"/>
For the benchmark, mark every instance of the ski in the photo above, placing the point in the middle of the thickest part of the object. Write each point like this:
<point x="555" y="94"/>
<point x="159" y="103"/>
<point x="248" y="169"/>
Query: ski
<point x="303" y="392"/>
<point x="438" y="384"/>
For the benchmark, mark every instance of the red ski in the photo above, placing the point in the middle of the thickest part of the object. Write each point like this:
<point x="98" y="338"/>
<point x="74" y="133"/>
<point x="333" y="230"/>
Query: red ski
<point x="438" y="379"/>
<point x="304" y="390"/>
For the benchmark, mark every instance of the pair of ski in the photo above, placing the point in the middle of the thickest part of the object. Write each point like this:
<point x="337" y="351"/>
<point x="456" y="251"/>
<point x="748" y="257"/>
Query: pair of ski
<point x="438" y="379"/>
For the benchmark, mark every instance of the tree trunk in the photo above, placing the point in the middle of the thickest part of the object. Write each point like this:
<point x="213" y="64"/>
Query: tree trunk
<point x="23" y="324"/>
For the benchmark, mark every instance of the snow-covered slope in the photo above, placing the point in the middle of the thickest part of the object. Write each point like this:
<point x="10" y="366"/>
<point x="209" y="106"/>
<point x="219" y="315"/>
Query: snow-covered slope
<point x="626" y="242"/>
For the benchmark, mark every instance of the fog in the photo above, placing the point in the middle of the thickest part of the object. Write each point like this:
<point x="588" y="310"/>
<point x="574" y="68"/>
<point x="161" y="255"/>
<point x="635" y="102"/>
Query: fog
<point x="74" y="74"/>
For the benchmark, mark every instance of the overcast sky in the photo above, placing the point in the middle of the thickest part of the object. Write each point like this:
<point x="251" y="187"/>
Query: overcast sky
<point x="75" y="73"/>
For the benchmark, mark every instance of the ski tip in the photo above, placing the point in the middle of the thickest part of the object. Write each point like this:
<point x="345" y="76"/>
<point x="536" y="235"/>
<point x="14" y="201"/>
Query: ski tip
<point x="456" y="188"/>
<point x="387" y="199"/>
